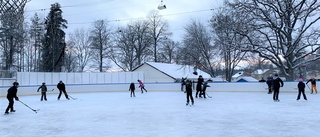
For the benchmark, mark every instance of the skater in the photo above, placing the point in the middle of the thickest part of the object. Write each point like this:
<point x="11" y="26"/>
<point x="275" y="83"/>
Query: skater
<point x="43" y="88"/>
<point x="62" y="88"/>
<point x="189" y="92"/>
<point x="270" y="83"/>
<point x="277" y="83"/>
<point x="199" y="87"/>
<point x="262" y="80"/>
<point x="141" y="85"/>
<point x="132" y="88"/>
<point x="183" y="83"/>
<point x="301" y="87"/>
<point x="12" y="94"/>
<point x="312" y="80"/>
<point x="205" y="85"/>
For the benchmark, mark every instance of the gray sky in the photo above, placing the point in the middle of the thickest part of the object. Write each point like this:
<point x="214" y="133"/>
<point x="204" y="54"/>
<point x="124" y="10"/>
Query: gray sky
<point x="82" y="13"/>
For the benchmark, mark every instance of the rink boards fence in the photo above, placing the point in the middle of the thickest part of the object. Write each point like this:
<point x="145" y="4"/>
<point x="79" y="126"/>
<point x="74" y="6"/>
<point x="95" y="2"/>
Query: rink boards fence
<point x="119" y="82"/>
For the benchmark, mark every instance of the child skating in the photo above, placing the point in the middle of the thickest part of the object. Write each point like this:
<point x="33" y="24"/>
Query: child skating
<point x="301" y="87"/>
<point x="189" y="92"/>
<point x="43" y="88"/>
<point x="141" y="85"/>
<point x="132" y="88"/>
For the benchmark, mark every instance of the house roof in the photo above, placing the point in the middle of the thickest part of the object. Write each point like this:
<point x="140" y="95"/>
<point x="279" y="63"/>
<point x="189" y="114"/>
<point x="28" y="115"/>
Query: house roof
<point x="246" y="79"/>
<point x="260" y="71"/>
<point x="177" y="71"/>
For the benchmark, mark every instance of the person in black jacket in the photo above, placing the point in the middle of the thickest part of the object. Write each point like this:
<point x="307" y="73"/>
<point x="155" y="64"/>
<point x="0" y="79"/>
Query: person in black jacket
<point x="301" y="87"/>
<point x="62" y="88"/>
<point x="43" y="88"/>
<point x="199" y="86"/>
<point x="270" y="84"/>
<point x="12" y="94"/>
<point x="189" y="92"/>
<point x="277" y="83"/>
<point x="132" y="88"/>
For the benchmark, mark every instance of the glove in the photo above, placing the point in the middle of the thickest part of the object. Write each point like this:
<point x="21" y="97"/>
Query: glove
<point x="17" y="99"/>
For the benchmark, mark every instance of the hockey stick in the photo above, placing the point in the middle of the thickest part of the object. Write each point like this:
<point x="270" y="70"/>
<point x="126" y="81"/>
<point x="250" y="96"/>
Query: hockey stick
<point x="72" y="97"/>
<point x="29" y="107"/>
<point x="208" y="95"/>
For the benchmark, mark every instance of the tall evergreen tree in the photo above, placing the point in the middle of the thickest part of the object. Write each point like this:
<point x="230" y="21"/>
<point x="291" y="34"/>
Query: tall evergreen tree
<point x="54" y="41"/>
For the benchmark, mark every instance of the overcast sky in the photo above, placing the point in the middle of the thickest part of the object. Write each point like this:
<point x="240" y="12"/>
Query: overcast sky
<point x="82" y="13"/>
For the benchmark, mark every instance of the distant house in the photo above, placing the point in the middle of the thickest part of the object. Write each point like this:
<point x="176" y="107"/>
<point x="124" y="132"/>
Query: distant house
<point x="245" y="79"/>
<point x="264" y="73"/>
<point x="164" y="72"/>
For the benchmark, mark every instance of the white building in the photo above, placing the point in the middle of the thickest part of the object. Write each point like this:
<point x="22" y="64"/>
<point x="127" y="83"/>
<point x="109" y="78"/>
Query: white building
<point x="164" y="72"/>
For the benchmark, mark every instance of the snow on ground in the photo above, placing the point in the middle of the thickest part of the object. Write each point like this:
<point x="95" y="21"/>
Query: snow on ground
<point x="163" y="114"/>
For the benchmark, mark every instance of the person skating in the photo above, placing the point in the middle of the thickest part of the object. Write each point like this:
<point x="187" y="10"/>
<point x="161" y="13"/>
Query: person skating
<point x="183" y="83"/>
<point x="301" y="87"/>
<point x="270" y="83"/>
<point x="141" y="85"/>
<point x="62" y="88"/>
<point x="277" y="83"/>
<point x="312" y="80"/>
<point x="132" y="88"/>
<point x="43" y="88"/>
<point x="205" y="85"/>
<point x="12" y="94"/>
<point x="199" y="86"/>
<point x="189" y="92"/>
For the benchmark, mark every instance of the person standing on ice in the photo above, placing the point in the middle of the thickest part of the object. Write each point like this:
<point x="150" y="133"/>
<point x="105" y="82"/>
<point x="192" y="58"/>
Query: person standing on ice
<point x="62" y="88"/>
<point x="183" y="83"/>
<point x="270" y="84"/>
<point x="12" y="94"/>
<point x="277" y="83"/>
<point x="189" y="92"/>
<point x="43" y="88"/>
<point x="301" y="87"/>
<point x="132" y="88"/>
<point x="141" y="85"/>
<point x="199" y="86"/>
<point x="312" y="80"/>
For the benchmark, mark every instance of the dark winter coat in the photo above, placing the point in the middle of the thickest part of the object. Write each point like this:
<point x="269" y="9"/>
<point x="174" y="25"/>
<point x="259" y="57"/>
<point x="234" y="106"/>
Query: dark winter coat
<point x="301" y="86"/>
<point x="189" y="87"/>
<point x="12" y="92"/>
<point x="199" y="84"/>
<point x="61" y="86"/>
<point x="43" y="88"/>
<point x="269" y="82"/>
<point x="132" y="87"/>
<point x="313" y="81"/>
<point x="277" y="83"/>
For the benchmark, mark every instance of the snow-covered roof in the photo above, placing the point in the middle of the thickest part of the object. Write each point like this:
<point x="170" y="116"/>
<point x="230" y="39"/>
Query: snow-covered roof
<point x="260" y="71"/>
<point x="178" y="71"/>
<point x="237" y="74"/>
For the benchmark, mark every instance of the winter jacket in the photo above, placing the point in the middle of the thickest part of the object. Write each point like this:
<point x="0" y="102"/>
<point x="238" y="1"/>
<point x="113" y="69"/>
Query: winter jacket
<point x="189" y="87"/>
<point x="301" y="86"/>
<point x="313" y="81"/>
<point x="269" y="82"/>
<point x="12" y="92"/>
<point x="43" y="88"/>
<point x="277" y="83"/>
<point x="132" y="87"/>
<point x="141" y="84"/>
<point x="61" y="86"/>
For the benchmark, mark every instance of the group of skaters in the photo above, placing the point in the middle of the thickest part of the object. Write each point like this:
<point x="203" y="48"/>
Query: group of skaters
<point x="132" y="88"/>
<point x="274" y="85"/>
<point x="200" y="88"/>
<point x="12" y="94"/>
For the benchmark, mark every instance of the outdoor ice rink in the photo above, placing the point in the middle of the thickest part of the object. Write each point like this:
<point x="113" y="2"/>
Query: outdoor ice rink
<point x="163" y="114"/>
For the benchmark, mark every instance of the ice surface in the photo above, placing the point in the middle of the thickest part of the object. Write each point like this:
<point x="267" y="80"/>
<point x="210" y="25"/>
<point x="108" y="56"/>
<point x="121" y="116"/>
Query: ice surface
<point x="163" y="114"/>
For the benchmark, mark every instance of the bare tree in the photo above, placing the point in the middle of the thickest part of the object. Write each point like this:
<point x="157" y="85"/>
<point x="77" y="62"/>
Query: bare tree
<point x="101" y="44"/>
<point x="36" y="35"/>
<point x="225" y="24"/>
<point x="168" y="51"/>
<point x="284" y="32"/>
<point x="159" y="31"/>
<point x="198" y="50"/>
<point x="80" y="40"/>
